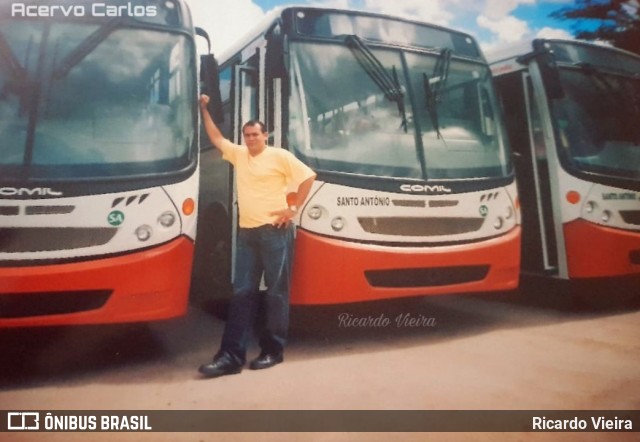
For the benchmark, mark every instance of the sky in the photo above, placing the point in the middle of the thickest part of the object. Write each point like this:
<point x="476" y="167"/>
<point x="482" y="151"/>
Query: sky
<point x="491" y="22"/>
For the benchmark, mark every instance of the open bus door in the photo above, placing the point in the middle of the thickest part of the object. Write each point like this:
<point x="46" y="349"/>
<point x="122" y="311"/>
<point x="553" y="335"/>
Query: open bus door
<point x="246" y="97"/>
<point x="531" y="142"/>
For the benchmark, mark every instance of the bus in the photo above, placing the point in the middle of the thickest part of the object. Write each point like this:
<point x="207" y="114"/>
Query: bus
<point x="415" y="192"/>
<point x="572" y="110"/>
<point x="98" y="161"/>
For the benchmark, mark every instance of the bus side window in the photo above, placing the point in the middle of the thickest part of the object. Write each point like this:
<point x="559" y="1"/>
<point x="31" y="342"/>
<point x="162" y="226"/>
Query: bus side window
<point x="537" y="134"/>
<point x="225" y="93"/>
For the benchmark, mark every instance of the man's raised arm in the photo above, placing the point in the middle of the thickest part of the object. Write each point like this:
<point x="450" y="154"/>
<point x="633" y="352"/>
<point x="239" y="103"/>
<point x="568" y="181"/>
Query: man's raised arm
<point x="216" y="137"/>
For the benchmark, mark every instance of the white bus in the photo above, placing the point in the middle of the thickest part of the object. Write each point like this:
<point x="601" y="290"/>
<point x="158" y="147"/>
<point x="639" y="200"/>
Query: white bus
<point x="415" y="192"/>
<point x="98" y="161"/>
<point x="572" y="111"/>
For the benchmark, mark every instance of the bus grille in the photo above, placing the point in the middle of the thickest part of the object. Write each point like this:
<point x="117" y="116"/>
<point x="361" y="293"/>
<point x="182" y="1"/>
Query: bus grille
<point x="420" y="226"/>
<point x="23" y="305"/>
<point x="45" y="239"/>
<point x="631" y="216"/>
<point x="426" y="277"/>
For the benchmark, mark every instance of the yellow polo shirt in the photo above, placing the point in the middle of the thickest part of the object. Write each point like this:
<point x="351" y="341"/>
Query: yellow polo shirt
<point x="263" y="180"/>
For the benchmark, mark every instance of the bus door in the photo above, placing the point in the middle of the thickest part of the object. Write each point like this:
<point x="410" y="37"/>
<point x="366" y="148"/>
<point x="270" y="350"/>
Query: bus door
<point x="530" y="150"/>
<point x="246" y="98"/>
<point x="539" y="149"/>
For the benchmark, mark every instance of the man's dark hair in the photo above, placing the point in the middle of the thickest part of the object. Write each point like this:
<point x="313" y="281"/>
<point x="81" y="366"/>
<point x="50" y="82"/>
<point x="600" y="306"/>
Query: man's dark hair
<point x="250" y="123"/>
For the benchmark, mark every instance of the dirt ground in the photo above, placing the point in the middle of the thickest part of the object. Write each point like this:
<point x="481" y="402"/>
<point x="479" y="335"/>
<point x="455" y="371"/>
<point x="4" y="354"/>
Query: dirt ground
<point x="479" y="354"/>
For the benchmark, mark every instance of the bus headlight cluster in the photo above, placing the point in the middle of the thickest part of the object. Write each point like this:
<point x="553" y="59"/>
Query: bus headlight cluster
<point x="144" y="232"/>
<point x="592" y="208"/>
<point x="509" y="213"/>
<point x="167" y="219"/>
<point x="315" y="212"/>
<point x="499" y="222"/>
<point x="337" y="223"/>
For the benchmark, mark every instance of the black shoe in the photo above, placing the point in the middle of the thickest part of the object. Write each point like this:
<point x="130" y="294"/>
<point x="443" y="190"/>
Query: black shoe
<point x="266" y="360"/>
<point x="222" y="364"/>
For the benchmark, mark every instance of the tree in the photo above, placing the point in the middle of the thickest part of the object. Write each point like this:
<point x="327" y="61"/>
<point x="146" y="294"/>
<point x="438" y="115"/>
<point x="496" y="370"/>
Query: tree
<point x="617" y="21"/>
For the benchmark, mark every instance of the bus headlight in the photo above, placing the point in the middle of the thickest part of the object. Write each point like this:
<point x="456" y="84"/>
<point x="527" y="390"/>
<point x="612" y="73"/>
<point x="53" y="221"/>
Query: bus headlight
<point x="509" y="213"/>
<point x="590" y="207"/>
<point x="167" y="219"/>
<point x="606" y="216"/>
<point x="315" y="212"/>
<point x="498" y="223"/>
<point x="144" y="232"/>
<point x="337" y="223"/>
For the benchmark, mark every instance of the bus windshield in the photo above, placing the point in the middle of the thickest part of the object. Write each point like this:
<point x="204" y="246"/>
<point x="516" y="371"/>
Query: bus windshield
<point x="82" y="100"/>
<point x="597" y="122"/>
<point x="442" y="125"/>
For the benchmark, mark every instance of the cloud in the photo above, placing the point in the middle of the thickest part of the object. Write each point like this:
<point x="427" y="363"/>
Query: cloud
<point x="508" y="29"/>
<point x="336" y="4"/>
<point x="548" y="32"/>
<point x="431" y="11"/>
<point x="225" y="21"/>
<point x="500" y="9"/>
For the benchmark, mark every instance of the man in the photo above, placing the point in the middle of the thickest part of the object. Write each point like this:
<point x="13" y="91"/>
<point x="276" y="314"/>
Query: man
<point x="264" y="243"/>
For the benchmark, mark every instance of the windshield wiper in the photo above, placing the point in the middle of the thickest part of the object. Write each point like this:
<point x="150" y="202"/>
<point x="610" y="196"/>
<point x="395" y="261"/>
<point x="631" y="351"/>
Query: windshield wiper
<point x="387" y="83"/>
<point x="433" y="94"/>
<point x="18" y="75"/>
<point x="86" y="47"/>
<point x="11" y="62"/>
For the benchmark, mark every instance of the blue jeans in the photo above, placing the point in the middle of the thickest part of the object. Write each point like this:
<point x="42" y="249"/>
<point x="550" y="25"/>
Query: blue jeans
<point x="269" y="249"/>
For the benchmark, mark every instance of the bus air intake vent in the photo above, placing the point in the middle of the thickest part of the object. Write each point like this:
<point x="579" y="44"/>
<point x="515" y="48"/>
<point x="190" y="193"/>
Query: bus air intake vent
<point x="24" y="305"/>
<point x="49" y="210"/>
<point x="426" y="277"/>
<point x="129" y="200"/>
<point x="443" y="203"/>
<point x="45" y="239"/>
<point x="410" y="203"/>
<point x="9" y="210"/>
<point x="631" y="216"/>
<point x="417" y="226"/>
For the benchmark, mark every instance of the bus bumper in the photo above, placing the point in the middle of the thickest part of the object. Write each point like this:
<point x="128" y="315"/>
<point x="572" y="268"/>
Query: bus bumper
<point x="141" y="286"/>
<point x="330" y="271"/>
<point x="595" y="251"/>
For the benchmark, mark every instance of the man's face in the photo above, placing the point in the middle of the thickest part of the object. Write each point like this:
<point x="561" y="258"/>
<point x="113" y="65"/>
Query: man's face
<point x="254" y="138"/>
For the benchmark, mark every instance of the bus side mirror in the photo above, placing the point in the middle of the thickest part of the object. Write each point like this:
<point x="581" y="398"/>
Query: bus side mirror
<point x="276" y="49"/>
<point x="210" y="85"/>
<point x="548" y="69"/>
<point x="550" y="76"/>
<point x="210" y="79"/>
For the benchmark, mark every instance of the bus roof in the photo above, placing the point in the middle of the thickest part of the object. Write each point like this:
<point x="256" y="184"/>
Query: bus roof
<point x="276" y="14"/>
<point x="505" y="59"/>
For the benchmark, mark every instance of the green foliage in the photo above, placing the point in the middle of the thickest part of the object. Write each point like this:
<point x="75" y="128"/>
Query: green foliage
<point x="619" y="23"/>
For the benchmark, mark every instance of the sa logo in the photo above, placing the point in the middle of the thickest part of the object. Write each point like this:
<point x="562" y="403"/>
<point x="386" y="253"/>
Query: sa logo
<point x="115" y="218"/>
